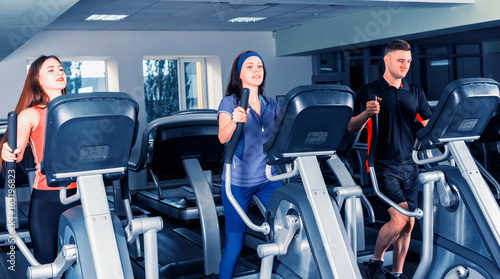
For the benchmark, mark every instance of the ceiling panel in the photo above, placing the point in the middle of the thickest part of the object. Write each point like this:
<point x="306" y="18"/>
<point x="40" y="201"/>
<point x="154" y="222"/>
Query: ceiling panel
<point x="16" y="26"/>
<point x="133" y="5"/>
<point x="21" y="20"/>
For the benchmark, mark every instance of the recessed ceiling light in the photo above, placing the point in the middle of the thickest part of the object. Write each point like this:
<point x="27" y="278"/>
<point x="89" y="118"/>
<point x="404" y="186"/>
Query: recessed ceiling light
<point x="106" y="17"/>
<point x="247" y="19"/>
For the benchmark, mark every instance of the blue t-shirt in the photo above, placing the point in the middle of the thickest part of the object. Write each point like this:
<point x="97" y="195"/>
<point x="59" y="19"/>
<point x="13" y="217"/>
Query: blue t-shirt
<point x="249" y="160"/>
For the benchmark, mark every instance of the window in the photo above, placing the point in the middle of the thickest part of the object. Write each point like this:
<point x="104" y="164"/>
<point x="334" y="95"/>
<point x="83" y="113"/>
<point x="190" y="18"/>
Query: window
<point x="174" y="84"/>
<point x="434" y="66"/>
<point x="331" y="68"/>
<point x="84" y="76"/>
<point x="466" y="67"/>
<point x="161" y="92"/>
<point x="433" y="49"/>
<point x="332" y="62"/>
<point x="434" y="76"/>
<point x="192" y="78"/>
<point x="356" y="73"/>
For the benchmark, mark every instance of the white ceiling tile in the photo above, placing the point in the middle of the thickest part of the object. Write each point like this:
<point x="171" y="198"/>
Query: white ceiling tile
<point x="187" y="14"/>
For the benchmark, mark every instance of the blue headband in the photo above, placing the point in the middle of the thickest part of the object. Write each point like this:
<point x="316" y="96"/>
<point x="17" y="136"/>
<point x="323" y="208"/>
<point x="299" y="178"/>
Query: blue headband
<point x="244" y="57"/>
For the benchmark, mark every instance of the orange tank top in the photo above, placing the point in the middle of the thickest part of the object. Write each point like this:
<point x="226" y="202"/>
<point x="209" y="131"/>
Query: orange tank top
<point x="37" y="142"/>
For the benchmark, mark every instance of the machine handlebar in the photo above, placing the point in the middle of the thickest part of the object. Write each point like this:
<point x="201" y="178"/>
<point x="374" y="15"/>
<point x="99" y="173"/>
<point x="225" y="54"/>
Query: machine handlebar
<point x="10" y="174"/>
<point x="245" y="93"/>
<point x="11" y="201"/>
<point x="418" y="213"/>
<point x="12" y="127"/>
<point x="264" y="228"/>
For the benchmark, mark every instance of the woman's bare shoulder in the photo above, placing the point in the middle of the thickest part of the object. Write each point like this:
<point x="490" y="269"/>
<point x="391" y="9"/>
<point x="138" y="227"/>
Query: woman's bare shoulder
<point x="29" y="116"/>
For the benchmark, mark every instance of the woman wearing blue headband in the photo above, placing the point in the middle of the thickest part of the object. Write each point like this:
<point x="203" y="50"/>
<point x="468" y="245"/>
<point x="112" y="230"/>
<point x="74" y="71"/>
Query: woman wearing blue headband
<point x="248" y="176"/>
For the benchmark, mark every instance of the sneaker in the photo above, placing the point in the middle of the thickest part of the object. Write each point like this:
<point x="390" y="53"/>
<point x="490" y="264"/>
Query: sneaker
<point x="390" y="275"/>
<point x="376" y="269"/>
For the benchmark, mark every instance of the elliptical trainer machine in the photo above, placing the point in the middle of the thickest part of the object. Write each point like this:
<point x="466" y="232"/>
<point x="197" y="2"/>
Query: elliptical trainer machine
<point x="460" y="217"/>
<point x="88" y="138"/>
<point x="305" y="230"/>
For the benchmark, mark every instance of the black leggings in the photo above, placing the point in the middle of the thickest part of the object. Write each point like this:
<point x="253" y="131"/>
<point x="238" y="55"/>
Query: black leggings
<point x="43" y="221"/>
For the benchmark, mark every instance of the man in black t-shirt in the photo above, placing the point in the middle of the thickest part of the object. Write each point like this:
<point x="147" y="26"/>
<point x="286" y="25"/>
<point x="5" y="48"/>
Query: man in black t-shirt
<point x="398" y="105"/>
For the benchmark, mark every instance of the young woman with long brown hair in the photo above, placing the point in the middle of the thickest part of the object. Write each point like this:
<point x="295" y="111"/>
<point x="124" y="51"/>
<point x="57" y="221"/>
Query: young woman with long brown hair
<point x="45" y="81"/>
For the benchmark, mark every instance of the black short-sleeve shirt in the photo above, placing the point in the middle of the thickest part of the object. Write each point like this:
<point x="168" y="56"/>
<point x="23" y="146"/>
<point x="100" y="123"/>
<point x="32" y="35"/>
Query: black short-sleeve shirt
<point x="399" y="109"/>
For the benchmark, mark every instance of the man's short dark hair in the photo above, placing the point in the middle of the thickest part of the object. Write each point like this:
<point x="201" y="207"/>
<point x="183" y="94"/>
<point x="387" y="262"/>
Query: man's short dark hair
<point x="397" y="44"/>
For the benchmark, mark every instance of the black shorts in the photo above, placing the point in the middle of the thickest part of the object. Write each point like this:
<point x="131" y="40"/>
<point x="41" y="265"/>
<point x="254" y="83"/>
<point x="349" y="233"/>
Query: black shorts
<point x="399" y="186"/>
